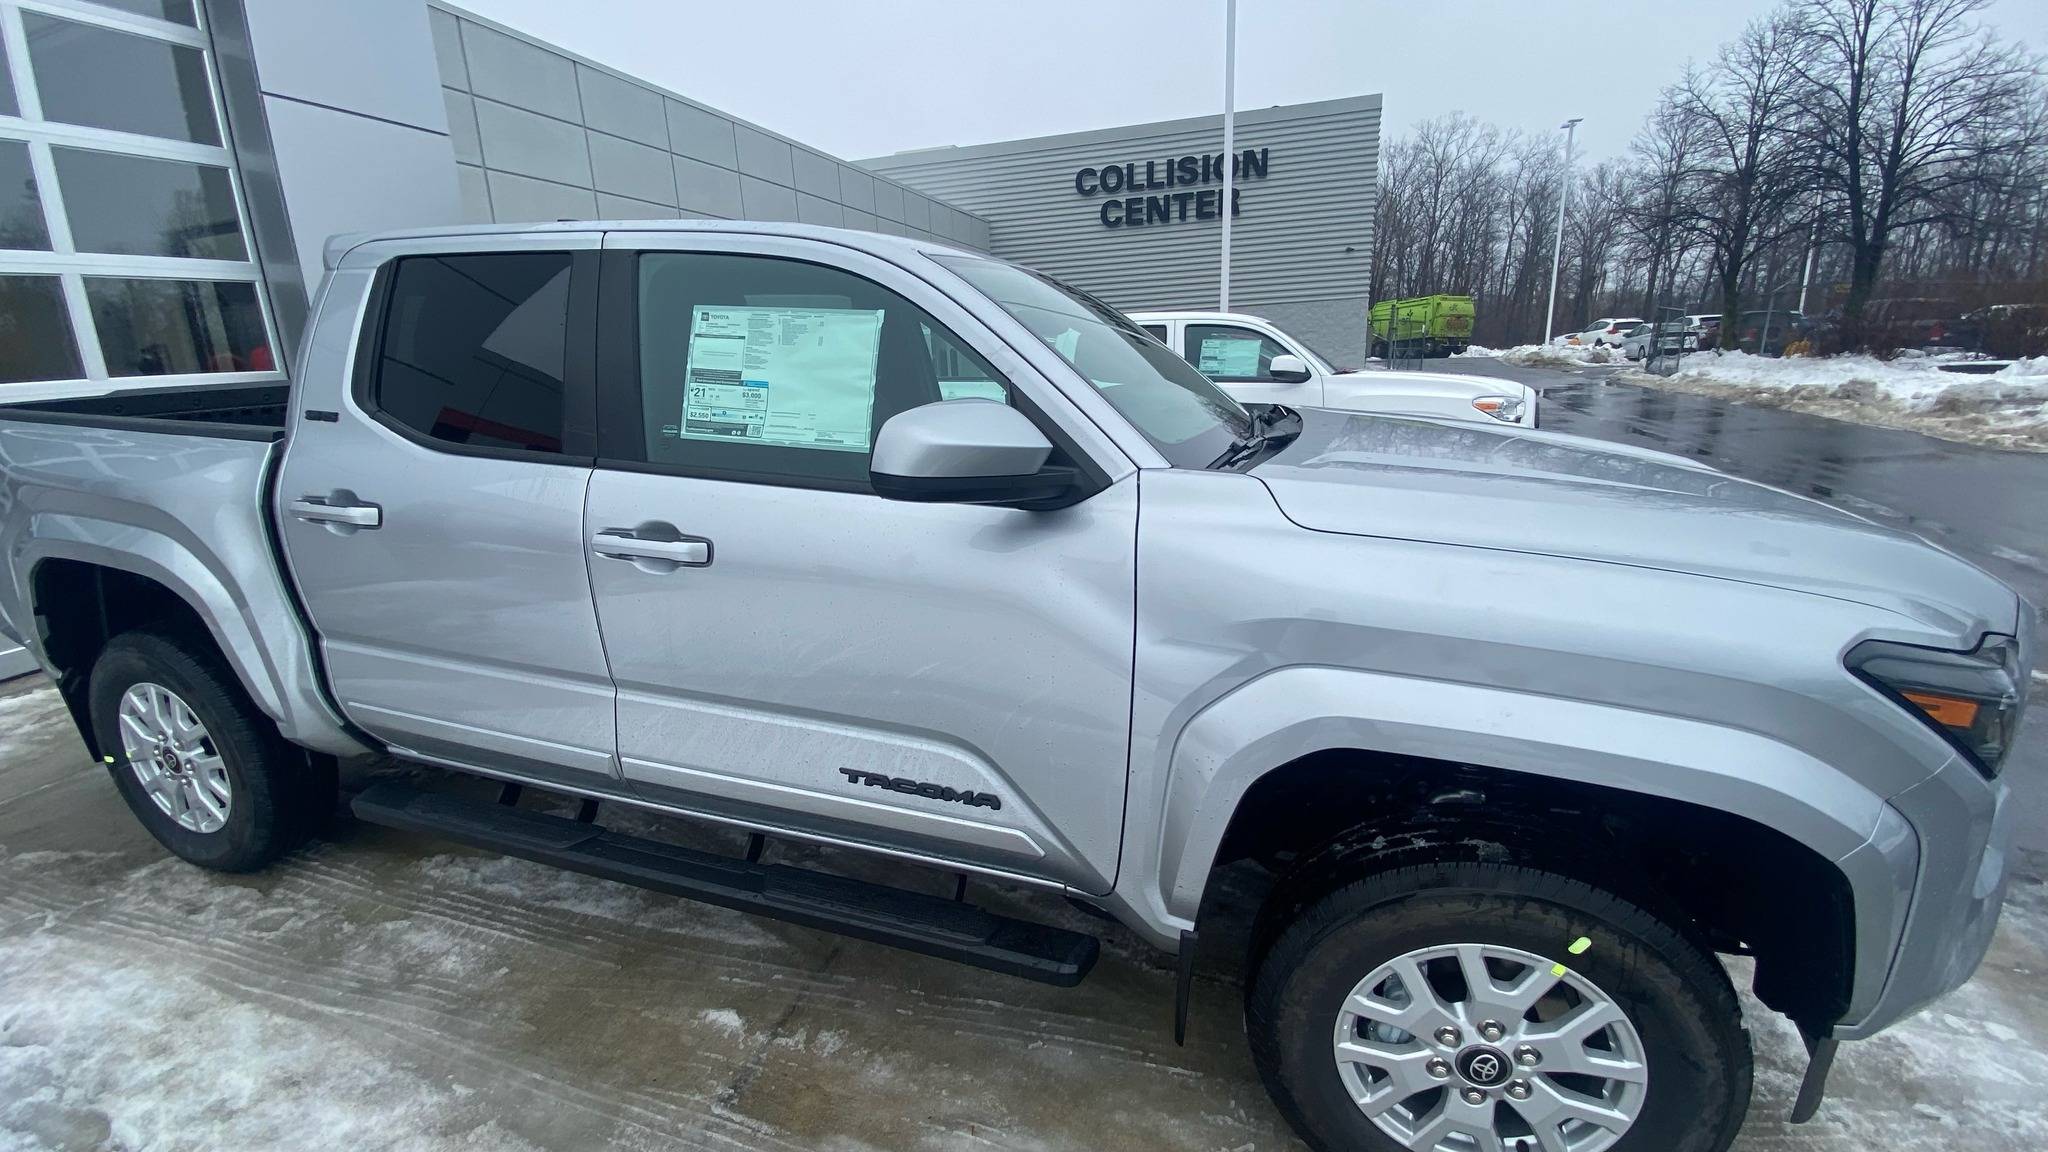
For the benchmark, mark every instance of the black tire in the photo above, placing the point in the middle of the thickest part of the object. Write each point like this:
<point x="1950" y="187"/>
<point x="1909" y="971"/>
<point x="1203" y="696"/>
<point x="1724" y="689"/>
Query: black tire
<point x="278" y="794"/>
<point x="1674" y="992"/>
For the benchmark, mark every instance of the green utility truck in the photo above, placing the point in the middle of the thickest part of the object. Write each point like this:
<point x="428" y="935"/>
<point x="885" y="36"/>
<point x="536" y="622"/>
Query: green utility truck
<point x="1425" y="326"/>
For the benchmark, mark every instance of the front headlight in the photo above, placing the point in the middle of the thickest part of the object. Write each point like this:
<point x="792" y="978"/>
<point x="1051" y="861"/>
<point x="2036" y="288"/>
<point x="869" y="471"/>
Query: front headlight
<point x="1506" y="408"/>
<point x="1974" y="698"/>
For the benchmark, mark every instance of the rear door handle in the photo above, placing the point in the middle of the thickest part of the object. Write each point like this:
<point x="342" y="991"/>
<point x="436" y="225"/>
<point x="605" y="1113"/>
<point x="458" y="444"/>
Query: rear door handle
<point x="319" y="511"/>
<point x="621" y="544"/>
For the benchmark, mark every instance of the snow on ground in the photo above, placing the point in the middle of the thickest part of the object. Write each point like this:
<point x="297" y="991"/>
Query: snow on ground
<point x="1561" y="355"/>
<point x="1478" y="350"/>
<point x="2007" y="408"/>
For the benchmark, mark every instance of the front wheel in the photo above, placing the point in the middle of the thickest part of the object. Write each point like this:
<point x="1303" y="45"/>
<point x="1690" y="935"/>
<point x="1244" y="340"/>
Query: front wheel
<point x="1496" y="1007"/>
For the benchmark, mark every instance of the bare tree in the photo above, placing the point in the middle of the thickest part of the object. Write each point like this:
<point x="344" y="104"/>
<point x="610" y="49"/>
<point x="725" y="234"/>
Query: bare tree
<point x="1894" y="95"/>
<point x="1745" y="193"/>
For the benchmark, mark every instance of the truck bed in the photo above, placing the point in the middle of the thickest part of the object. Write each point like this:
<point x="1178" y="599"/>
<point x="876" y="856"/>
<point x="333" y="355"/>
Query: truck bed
<point x="239" y="412"/>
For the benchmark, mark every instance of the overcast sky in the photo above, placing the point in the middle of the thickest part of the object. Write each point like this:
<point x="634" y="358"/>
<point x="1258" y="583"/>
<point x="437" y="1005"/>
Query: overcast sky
<point x="861" y="80"/>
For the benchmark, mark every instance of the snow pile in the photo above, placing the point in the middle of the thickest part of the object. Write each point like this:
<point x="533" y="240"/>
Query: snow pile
<point x="2006" y="408"/>
<point x="1480" y="350"/>
<point x="1563" y="355"/>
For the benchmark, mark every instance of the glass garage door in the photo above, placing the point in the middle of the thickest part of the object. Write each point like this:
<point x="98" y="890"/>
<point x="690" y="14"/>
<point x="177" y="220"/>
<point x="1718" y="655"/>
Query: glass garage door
<point x="124" y="258"/>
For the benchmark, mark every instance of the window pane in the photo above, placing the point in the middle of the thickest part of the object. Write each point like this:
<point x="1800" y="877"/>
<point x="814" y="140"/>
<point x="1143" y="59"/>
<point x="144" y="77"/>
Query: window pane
<point x="1156" y="331"/>
<point x="35" y="331"/>
<point x="139" y="206"/>
<point x="8" y="106"/>
<point x="1227" y="353"/>
<point x="176" y="11"/>
<point x="21" y="209"/>
<point x="120" y="81"/>
<point x="162" y="327"/>
<point x="473" y="348"/>
<point x="783" y="369"/>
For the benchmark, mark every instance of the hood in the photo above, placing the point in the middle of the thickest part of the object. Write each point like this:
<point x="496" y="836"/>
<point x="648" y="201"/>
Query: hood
<point x="1456" y="482"/>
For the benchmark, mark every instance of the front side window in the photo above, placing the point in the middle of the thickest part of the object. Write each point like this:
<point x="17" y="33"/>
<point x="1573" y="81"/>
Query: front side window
<point x="1227" y="352"/>
<point x="472" y="349"/>
<point x="1185" y="416"/>
<point x="760" y="368"/>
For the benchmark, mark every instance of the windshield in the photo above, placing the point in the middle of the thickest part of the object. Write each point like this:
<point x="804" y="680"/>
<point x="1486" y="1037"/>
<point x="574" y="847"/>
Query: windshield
<point x="1188" y="418"/>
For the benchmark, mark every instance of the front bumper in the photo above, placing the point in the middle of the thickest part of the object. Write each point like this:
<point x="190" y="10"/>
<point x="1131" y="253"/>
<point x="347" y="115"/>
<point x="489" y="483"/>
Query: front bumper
<point x="1964" y="835"/>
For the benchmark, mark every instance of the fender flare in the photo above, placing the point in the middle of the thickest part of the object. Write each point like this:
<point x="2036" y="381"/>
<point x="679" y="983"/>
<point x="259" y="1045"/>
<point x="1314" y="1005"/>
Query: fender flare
<point x="271" y="657"/>
<point x="1292" y="712"/>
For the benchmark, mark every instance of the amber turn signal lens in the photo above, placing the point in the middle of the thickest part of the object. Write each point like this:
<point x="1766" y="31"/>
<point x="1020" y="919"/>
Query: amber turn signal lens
<point x="1945" y="710"/>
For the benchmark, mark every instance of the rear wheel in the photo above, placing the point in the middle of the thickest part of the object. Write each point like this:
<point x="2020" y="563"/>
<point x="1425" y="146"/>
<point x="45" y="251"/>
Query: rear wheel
<point x="1482" y="1006"/>
<point x="197" y="762"/>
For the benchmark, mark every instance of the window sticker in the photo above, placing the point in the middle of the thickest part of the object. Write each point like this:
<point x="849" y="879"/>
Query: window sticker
<point x="788" y="376"/>
<point x="1229" y="356"/>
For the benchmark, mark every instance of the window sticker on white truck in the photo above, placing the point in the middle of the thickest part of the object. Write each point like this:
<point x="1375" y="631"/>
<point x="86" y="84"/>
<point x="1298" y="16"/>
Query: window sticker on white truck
<point x="1228" y="356"/>
<point x="789" y="376"/>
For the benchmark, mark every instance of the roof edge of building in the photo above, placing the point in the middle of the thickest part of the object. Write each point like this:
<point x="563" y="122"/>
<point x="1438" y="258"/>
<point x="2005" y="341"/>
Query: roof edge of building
<point x="909" y="158"/>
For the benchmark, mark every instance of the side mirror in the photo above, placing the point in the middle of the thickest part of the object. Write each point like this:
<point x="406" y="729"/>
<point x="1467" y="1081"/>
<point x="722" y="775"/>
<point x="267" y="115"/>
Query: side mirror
<point x="1288" y="370"/>
<point x="966" y="451"/>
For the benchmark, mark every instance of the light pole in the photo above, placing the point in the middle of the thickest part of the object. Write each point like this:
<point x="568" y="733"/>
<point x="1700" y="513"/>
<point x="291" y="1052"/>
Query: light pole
<point x="1229" y="141"/>
<point x="1564" y="191"/>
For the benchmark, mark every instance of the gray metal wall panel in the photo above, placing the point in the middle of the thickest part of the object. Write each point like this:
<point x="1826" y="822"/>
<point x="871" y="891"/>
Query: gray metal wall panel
<point x="1303" y="233"/>
<point x="568" y="136"/>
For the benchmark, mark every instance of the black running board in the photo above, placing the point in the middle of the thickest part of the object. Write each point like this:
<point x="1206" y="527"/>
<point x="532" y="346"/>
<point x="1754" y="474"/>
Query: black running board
<point x="932" y="925"/>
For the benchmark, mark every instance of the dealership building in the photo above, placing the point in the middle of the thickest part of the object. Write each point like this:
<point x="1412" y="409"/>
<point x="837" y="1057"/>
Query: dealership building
<point x="170" y="171"/>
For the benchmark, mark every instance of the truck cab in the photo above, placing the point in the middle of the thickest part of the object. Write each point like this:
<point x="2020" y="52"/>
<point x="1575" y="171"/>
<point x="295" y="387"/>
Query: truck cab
<point x="1258" y="362"/>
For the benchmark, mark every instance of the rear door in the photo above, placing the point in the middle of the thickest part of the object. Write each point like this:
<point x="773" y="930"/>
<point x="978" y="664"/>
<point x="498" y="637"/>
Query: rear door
<point x="432" y="504"/>
<point x="792" y="651"/>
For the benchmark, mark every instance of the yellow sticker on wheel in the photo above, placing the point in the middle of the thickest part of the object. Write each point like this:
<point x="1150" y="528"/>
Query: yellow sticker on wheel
<point x="1580" y="945"/>
<point x="1558" y="969"/>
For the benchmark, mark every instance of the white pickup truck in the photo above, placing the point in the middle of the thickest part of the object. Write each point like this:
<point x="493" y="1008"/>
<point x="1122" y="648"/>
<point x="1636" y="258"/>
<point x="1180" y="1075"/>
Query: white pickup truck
<point x="1258" y="363"/>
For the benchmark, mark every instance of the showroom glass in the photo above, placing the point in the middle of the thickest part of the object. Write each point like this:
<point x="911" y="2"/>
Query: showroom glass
<point x="35" y="331"/>
<point x="142" y="206"/>
<point x="472" y="349"/>
<point x="1183" y="414"/>
<point x="21" y="209"/>
<point x="151" y="327"/>
<point x="175" y="11"/>
<point x="121" y="81"/>
<point x="136" y="222"/>
<point x="781" y="371"/>
<point x="1233" y="353"/>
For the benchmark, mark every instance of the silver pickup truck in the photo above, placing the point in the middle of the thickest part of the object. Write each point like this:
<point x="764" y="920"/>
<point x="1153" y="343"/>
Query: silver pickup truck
<point x="1525" y="728"/>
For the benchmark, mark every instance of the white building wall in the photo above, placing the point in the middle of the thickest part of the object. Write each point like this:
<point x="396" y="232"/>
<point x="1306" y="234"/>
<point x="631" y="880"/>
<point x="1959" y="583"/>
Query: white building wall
<point x="358" y="132"/>
<point x="542" y="134"/>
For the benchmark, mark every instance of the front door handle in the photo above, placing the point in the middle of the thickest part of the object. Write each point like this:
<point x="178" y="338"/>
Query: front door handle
<point x="318" y="510"/>
<point x="622" y="544"/>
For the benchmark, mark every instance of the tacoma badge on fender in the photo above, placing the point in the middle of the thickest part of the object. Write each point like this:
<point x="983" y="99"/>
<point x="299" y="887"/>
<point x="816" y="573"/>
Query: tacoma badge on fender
<point x="920" y="788"/>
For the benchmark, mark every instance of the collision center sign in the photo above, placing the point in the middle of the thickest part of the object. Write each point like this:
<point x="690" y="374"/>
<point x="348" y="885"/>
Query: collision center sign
<point x="1179" y="181"/>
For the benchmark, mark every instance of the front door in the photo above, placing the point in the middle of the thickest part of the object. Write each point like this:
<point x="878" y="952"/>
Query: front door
<point x="434" y="526"/>
<point x="792" y="651"/>
<point x="1240" y="359"/>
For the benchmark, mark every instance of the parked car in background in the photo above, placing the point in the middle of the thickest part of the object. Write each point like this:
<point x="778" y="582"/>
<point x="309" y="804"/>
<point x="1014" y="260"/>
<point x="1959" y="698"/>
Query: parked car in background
<point x="1257" y="362"/>
<point x="2006" y="330"/>
<point x="1705" y="328"/>
<point x="1675" y="337"/>
<point x="1766" y="331"/>
<point x="1605" y="332"/>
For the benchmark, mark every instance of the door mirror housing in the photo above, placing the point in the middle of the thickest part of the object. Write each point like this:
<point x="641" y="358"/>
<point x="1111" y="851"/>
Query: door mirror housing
<point x="1288" y="370"/>
<point x="966" y="451"/>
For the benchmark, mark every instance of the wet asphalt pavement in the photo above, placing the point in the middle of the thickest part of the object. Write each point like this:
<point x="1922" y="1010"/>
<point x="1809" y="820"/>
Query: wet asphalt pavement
<point x="1986" y="505"/>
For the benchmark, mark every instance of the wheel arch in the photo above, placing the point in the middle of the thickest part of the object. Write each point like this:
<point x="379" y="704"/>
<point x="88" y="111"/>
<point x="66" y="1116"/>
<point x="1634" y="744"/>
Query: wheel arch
<point x="73" y="563"/>
<point x="1333" y="741"/>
